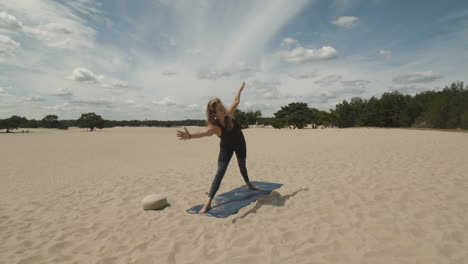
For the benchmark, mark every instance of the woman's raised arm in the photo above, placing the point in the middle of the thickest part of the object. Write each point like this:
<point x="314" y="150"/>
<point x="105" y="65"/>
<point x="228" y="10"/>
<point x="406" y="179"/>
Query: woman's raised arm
<point x="236" y="101"/>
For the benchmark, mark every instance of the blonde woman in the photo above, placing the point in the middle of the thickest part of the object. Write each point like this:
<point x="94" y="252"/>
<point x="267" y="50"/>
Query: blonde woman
<point x="221" y="122"/>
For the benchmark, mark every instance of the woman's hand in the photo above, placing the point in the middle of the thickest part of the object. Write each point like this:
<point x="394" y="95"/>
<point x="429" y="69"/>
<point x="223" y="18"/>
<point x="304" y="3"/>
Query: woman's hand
<point x="242" y="87"/>
<point x="183" y="135"/>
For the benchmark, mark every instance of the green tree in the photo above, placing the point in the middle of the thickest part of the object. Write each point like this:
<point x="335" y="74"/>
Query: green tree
<point x="295" y="114"/>
<point x="343" y="114"/>
<point x="91" y="121"/>
<point x="252" y="117"/>
<point x="50" y="121"/>
<point x="14" y="122"/>
<point x="278" y="122"/>
<point x="391" y="105"/>
<point x="358" y="107"/>
<point x="371" y="115"/>
<point x="464" y="120"/>
<point x="446" y="108"/>
<point x="247" y="118"/>
<point x="32" y="123"/>
<point x="320" y="117"/>
<point x="240" y="117"/>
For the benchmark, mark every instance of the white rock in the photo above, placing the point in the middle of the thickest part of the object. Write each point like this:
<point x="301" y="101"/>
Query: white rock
<point x="154" y="202"/>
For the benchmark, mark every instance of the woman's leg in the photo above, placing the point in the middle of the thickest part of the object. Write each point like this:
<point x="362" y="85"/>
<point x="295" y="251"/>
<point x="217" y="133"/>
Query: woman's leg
<point x="225" y="155"/>
<point x="241" y="154"/>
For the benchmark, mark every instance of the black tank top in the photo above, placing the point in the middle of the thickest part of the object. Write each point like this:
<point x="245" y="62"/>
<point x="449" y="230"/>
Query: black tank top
<point x="233" y="137"/>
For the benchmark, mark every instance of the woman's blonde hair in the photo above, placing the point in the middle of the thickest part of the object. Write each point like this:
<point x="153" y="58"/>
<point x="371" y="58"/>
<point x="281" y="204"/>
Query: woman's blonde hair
<point x="211" y="115"/>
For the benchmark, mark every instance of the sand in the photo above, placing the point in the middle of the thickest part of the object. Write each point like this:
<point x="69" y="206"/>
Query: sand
<point x="362" y="195"/>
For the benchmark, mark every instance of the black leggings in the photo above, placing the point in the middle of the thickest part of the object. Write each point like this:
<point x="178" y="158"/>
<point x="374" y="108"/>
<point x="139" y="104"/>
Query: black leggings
<point x="225" y="155"/>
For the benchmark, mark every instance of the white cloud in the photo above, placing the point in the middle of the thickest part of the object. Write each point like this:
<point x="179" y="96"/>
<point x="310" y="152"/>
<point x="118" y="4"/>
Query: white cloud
<point x="267" y="109"/>
<point x="119" y="84"/>
<point x="266" y="90"/>
<point x="84" y="75"/>
<point x="346" y="21"/>
<point x="52" y="23"/>
<point x="329" y="79"/>
<point x="194" y="107"/>
<point x="418" y="77"/>
<point x="212" y="75"/>
<point x="7" y="46"/>
<point x="34" y="98"/>
<point x="407" y="89"/>
<point x="303" y="75"/>
<point x="240" y="68"/>
<point x="287" y="42"/>
<point x="321" y="98"/>
<point x="96" y="102"/>
<point x="302" y="55"/>
<point x="355" y="83"/>
<point x="386" y="53"/>
<point x="52" y="34"/>
<point x="244" y="69"/>
<point x="110" y="83"/>
<point x="62" y="92"/>
<point x="165" y="102"/>
<point x="352" y="91"/>
<point x="10" y="23"/>
<point x="64" y="107"/>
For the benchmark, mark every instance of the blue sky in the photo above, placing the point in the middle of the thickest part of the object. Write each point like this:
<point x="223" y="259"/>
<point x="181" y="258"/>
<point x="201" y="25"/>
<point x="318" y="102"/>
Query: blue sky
<point x="165" y="59"/>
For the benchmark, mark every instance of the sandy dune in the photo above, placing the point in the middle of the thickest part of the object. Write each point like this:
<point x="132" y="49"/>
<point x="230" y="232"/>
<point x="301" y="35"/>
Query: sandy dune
<point x="349" y="196"/>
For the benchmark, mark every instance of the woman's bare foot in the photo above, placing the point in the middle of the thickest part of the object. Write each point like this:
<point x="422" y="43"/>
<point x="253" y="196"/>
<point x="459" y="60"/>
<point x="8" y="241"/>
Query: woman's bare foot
<point x="206" y="207"/>
<point x="251" y="186"/>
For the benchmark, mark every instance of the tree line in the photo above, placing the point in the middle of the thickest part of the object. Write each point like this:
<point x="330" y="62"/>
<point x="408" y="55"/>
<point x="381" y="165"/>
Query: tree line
<point x="90" y="121"/>
<point x="446" y="109"/>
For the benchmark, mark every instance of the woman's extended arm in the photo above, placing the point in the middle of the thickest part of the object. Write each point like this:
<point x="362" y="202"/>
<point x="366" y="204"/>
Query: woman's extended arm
<point x="236" y="101"/>
<point x="184" y="135"/>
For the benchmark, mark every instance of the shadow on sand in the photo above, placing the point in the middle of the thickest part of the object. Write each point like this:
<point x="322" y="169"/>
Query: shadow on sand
<point x="273" y="199"/>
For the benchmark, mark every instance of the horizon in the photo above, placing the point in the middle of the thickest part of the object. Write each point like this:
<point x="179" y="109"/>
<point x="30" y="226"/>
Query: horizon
<point x="133" y="61"/>
<point x="251" y="110"/>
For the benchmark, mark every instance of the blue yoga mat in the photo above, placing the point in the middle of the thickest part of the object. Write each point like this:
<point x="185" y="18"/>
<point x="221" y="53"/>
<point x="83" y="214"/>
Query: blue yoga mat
<point x="230" y="202"/>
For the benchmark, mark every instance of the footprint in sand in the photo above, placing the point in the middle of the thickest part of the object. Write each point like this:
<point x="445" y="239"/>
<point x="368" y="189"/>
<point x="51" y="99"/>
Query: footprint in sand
<point x="403" y="202"/>
<point x="59" y="247"/>
<point x="417" y="232"/>
<point x="31" y="260"/>
<point x="316" y="250"/>
<point x="82" y="249"/>
<point x="288" y="236"/>
<point x="103" y="234"/>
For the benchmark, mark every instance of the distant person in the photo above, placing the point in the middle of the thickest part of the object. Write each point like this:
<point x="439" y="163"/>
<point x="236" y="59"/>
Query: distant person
<point x="222" y="123"/>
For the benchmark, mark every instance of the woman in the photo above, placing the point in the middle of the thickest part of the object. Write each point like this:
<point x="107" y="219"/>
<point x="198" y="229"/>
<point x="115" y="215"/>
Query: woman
<point x="222" y="123"/>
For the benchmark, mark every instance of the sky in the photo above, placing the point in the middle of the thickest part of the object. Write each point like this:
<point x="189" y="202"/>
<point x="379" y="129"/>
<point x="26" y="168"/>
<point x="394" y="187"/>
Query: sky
<point x="165" y="59"/>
